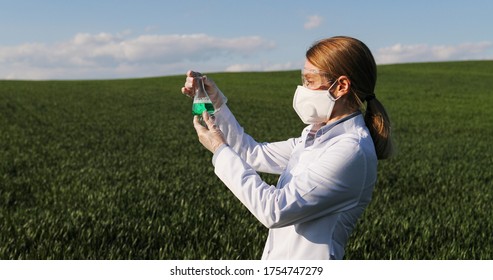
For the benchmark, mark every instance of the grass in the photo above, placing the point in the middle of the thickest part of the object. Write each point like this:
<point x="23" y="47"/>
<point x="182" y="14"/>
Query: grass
<point x="113" y="169"/>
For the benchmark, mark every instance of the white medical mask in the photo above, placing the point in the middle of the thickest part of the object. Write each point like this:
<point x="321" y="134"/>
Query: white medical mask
<point x="313" y="106"/>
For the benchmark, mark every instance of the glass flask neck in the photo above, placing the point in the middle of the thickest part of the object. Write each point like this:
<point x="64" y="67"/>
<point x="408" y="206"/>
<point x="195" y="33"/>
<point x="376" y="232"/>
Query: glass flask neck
<point x="200" y="91"/>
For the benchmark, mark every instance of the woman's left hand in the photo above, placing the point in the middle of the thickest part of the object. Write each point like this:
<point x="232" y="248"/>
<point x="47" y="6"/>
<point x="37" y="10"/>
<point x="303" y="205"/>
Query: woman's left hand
<point x="215" y="94"/>
<point x="210" y="136"/>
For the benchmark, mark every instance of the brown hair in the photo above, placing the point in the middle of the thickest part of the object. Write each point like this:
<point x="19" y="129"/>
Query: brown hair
<point x="346" y="56"/>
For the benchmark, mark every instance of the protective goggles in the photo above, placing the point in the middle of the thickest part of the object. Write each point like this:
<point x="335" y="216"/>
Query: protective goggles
<point x="314" y="78"/>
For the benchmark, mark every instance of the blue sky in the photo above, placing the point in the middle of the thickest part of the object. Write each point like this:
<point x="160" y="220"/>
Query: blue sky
<point x="104" y="39"/>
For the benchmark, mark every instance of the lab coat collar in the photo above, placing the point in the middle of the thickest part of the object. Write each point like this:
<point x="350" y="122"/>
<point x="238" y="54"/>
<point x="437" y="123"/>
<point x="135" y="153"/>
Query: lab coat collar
<point x="322" y="134"/>
<point x="324" y="129"/>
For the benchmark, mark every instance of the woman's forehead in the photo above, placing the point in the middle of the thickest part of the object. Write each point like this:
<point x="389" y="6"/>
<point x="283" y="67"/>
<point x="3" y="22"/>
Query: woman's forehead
<point x="308" y="65"/>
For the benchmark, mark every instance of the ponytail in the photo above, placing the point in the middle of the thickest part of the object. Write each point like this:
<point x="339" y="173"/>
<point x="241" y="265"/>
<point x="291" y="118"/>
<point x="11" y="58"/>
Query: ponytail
<point x="378" y="123"/>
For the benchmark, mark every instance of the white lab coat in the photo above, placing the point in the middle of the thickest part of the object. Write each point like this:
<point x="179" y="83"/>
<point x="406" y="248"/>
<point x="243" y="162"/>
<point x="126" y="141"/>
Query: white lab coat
<point x="322" y="191"/>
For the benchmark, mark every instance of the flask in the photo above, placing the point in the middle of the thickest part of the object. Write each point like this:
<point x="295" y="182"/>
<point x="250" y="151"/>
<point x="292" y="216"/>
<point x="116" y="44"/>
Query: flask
<point x="201" y="100"/>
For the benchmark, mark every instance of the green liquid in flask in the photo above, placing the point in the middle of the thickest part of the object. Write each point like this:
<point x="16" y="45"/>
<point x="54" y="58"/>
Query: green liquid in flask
<point x="199" y="106"/>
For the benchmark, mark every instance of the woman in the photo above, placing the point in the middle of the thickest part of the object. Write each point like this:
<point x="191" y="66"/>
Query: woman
<point x="328" y="173"/>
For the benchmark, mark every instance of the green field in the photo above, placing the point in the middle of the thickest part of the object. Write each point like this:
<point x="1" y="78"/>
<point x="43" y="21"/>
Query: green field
<point x="114" y="170"/>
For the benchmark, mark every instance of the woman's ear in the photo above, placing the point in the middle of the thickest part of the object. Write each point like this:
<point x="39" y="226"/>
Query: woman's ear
<point x="343" y="86"/>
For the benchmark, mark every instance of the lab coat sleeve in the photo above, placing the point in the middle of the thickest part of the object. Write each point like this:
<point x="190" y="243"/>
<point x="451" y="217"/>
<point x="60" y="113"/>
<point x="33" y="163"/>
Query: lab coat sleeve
<point x="334" y="182"/>
<point x="263" y="157"/>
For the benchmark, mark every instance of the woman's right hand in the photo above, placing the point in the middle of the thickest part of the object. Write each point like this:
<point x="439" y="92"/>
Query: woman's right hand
<point x="210" y="136"/>
<point x="215" y="94"/>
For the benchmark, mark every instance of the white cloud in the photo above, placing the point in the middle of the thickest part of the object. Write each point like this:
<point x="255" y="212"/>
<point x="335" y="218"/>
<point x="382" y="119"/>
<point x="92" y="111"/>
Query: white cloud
<point x="261" y="67"/>
<point x="399" y="53"/>
<point x="121" y="55"/>
<point x="313" y="22"/>
<point x="243" y="67"/>
<point x="106" y="55"/>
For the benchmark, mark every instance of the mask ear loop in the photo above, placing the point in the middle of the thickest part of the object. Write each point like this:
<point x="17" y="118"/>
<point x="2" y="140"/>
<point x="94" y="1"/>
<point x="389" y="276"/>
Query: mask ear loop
<point x="330" y="94"/>
<point x="332" y="99"/>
